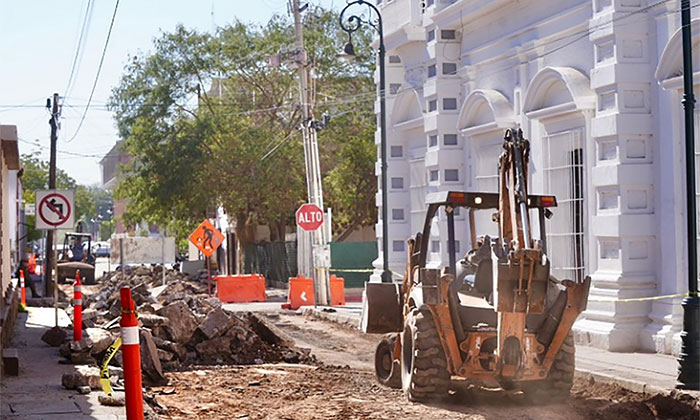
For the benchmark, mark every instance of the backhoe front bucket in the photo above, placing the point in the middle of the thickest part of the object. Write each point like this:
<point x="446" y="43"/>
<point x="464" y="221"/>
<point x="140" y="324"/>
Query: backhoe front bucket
<point x="382" y="308"/>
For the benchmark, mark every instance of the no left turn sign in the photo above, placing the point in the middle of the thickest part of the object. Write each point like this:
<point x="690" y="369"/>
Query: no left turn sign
<point x="55" y="209"/>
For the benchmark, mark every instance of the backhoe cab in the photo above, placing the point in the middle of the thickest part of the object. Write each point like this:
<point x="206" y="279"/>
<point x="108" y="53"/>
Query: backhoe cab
<point x="495" y="317"/>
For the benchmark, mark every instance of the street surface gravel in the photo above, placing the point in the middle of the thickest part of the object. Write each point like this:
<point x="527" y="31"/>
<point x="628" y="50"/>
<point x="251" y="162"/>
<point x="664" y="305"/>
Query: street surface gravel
<point x="342" y="386"/>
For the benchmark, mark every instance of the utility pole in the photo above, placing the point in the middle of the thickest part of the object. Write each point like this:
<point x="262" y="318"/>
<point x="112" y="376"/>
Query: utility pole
<point x="311" y="158"/>
<point x="51" y="235"/>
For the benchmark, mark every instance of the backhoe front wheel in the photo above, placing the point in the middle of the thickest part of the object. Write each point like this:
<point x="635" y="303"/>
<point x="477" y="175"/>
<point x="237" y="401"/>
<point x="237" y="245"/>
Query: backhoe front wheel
<point x="424" y="374"/>
<point x="387" y="369"/>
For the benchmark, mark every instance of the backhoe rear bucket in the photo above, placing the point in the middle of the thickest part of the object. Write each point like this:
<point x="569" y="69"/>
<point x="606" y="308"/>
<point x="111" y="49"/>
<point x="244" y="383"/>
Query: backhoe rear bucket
<point x="381" y="308"/>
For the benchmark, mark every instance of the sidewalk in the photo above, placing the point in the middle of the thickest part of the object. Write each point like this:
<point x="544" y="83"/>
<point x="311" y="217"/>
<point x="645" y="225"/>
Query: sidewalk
<point x="639" y="372"/>
<point x="37" y="393"/>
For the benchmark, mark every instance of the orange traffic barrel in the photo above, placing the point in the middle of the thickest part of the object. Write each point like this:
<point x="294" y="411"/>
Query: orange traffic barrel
<point x="301" y="292"/>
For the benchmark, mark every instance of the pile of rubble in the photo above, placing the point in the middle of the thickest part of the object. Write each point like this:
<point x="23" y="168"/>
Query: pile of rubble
<point x="181" y="325"/>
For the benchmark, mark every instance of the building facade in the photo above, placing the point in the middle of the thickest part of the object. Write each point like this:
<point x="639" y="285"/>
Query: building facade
<point x="110" y="165"/>
<point x="596" y="86"/>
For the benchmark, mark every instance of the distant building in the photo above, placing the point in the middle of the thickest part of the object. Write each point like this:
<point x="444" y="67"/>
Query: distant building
<point x="110" y="164"/>
<point x="596" y="86"/>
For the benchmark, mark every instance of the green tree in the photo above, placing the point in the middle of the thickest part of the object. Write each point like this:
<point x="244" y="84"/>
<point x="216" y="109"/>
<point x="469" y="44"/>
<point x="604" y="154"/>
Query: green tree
<point x="240" y="147"/>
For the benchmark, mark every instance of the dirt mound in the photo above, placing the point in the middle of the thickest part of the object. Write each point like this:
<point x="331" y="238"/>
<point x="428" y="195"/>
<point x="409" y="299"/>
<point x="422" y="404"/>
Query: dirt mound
<point x="181" y="324"/>
<point x="615" y="402"/>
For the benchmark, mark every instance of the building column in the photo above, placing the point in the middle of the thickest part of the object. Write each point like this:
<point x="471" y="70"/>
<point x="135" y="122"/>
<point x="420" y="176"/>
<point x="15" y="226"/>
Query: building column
<point x="623" y="229"/>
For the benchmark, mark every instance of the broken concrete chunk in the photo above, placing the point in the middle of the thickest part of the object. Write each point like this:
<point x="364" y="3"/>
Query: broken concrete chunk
<point x="55" y="336"/>
<point x="215" y="324"/>
<point x="151" y="320"/>
<point x="84" y="390"/>
<point x="101" y="339"/>
<point x="181" y="321"/>
<point x="116" y="400"/>
<point x="165" y="356"/>
<point x="214" y="347"/>
<point x="150" y="363"/>
<point x="82" y="376"/>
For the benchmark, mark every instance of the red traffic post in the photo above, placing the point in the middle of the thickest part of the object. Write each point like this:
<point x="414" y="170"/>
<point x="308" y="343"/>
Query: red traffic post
<point x="77" y="308"/>
<point x="21" y="285"/>
<point x="131" y="357"/>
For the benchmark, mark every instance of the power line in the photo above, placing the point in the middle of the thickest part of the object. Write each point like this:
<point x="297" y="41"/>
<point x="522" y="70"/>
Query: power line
<point x="79" y="49"/>
<point x="97" y="76"/>
<point x="66" y="152"/>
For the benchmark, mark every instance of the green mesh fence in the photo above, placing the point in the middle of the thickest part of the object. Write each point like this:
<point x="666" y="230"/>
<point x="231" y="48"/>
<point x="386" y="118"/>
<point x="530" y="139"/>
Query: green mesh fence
<point x="277" y="261"/>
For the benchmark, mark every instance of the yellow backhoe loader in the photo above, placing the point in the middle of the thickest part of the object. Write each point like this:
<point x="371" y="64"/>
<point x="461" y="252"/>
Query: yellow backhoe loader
<point x="496" y="317"/>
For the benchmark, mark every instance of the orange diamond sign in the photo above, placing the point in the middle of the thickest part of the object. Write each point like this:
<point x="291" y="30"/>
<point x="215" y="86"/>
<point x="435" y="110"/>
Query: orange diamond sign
<point x="206" y="238"/>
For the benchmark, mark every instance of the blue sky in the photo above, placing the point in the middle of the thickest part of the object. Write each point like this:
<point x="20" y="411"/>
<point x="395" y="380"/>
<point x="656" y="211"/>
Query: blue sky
<point x="37" y="45"/>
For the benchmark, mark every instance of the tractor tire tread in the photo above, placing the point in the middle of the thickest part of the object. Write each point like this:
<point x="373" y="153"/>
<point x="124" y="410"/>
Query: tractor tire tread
<point x="429" y="378"/>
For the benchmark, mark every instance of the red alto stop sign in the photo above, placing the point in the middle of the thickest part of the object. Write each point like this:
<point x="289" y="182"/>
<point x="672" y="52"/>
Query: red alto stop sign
<point x="309" y="217"/>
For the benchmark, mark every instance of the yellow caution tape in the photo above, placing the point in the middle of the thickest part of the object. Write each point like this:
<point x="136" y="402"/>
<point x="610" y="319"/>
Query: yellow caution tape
<point x="641" y="299"/>
<point x="104" y="369"/>
<point x="360" y="270"/>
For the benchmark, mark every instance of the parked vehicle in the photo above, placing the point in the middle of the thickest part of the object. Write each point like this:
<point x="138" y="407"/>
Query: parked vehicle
<point x="101" y="249"/>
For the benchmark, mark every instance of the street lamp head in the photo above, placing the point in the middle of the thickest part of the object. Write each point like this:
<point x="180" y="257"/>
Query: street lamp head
<point x="348" y="52"/>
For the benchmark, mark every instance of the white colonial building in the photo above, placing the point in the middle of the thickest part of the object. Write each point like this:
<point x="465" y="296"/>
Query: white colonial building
<point x="596" y="86"/>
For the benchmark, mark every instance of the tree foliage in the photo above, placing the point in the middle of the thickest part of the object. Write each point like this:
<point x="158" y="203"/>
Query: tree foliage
<point x="209" y="123"/>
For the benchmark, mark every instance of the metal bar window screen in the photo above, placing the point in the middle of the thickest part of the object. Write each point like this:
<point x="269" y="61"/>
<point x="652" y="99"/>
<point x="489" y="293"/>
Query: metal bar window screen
<point x="563" y="177"/>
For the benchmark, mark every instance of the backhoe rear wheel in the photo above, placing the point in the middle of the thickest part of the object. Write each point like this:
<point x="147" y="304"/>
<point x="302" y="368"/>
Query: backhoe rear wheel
<point x="424" y="374"/>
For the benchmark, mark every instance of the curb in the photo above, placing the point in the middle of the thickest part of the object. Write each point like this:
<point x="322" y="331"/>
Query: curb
<point x="336" y="317"/>
<point x="632" y="385"/>
<point x="629" y="384"/>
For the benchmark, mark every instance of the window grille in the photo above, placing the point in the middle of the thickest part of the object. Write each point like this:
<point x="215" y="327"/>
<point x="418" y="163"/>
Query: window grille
<point x="449" y="68"/>
<point x="432" y="70"/>
<point x="449" y="104"/>
<point x="448" y="34"/>
<point x="418" y="184"/>
<point x="449" y="139"/>
<point x="563" y="178"/>
<point x="451" y="175"/>
<point x="397" y="183"/>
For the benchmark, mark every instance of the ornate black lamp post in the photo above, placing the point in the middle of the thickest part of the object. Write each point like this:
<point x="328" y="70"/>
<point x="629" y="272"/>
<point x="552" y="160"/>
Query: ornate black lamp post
<point x="689" y="358"/>
<point x="351" y="25"/>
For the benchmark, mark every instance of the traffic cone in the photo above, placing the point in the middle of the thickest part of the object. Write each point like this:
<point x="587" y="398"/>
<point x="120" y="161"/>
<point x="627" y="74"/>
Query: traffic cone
<point x="131" y="357"/>
<point x="21" y="285"/>
<point x="77" y="308"/>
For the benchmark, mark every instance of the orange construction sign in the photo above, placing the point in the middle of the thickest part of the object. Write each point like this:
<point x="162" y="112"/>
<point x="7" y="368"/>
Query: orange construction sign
<point x="206" y="238"/>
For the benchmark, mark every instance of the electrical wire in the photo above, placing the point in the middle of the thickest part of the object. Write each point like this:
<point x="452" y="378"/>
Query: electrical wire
<point x="80" y="48"/>
<point x="97" y="76"/>
<point x="66" y="152"/>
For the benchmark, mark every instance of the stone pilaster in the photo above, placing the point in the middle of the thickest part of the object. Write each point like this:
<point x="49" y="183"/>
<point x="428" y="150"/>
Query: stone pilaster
<point x="623" y="230"/>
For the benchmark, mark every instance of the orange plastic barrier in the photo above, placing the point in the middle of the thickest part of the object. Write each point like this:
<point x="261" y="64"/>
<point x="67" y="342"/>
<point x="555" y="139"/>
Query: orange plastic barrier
<point x="301" y="292"/>
<point x="240" y="288"/>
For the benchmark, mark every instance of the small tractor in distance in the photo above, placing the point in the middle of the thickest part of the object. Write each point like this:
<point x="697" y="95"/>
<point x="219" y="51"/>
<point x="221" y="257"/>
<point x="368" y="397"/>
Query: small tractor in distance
<point x="76" y="255"/>
<point x="495" y="318"/>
